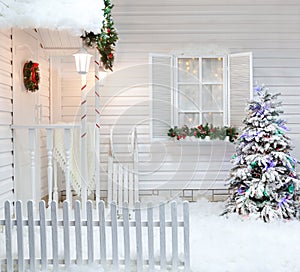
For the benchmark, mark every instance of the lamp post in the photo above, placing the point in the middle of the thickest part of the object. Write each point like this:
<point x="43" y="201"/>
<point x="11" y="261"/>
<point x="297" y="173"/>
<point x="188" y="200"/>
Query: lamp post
<point x="82" y="60"/>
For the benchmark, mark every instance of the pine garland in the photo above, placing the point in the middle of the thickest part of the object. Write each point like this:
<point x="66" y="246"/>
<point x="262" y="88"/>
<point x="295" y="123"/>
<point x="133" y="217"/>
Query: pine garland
<point x="31" y="76"/>
<point x="105" y="41"/>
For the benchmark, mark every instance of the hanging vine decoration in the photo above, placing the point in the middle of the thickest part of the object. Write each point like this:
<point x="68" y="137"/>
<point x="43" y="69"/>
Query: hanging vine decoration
<point x="31" y="76"/>
<point x="105" y="41"/>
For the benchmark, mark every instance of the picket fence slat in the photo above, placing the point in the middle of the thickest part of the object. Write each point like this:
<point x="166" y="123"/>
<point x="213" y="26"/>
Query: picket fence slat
<point x="150" y="237"/>
<point x="102" y="233"/>
<point x="126" y="236"/>
<point x="20" y="236"/>
<point x="114" y="235"/>
<point x="174" y="236"/>
<point x="162" y="232"/>
<point x="78" y="232"/>
<point x="17" y="254"/>
<point x="8" y="235"/>
<point x="31" y="240"/>
<point x="139" y="245"/>
<point x="54" y="235"/>
<point x="43" y="237"/>
<point x="186" y="233"/>
<point x="90" y="237"/>
<point x="66" y="234"/>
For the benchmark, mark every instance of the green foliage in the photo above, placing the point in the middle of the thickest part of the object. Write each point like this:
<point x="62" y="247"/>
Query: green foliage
<point x="201" y="131"/>
<point x="105" y="41"/>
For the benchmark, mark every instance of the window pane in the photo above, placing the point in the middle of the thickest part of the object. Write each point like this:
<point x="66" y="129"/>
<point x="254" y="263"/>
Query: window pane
<point x="214" y="118"/>
<point x="189" y="119"/>
<point x="212" y="69"/>
<point x="188" y="96"/>
<point x="212" y="97"/>
<point x="188" y="69"/>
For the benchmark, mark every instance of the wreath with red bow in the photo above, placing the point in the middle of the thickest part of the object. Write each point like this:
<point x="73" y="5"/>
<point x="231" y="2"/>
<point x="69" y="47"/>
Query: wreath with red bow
<point x="31" y="76"/>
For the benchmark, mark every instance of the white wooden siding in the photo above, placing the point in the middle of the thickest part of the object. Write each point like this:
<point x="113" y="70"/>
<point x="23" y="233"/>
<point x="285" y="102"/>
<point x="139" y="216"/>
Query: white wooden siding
<point x="269" y="29"/>
<point x="6" y="142"/>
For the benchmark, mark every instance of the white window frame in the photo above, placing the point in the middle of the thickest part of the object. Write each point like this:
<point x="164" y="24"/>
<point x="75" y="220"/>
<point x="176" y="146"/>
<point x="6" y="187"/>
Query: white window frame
<point x="175" y="95"/>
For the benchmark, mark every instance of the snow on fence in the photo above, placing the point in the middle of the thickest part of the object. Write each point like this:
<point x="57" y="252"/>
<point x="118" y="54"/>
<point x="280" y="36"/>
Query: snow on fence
<point x="55" y="243"/>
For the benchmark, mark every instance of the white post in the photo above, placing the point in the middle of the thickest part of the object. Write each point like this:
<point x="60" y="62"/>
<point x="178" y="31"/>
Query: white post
<point x="67" y="139"/>
<point x="32" y="144"/>
<point x="55" y="187"/>
<point x="83" y="143"/>
<point x="97" y="124"/>
<point x="50" y="163"/>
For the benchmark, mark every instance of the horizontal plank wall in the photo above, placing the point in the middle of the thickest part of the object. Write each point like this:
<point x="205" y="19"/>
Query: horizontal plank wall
<point x="270" y="29"/>
<point x="6" y="141"/>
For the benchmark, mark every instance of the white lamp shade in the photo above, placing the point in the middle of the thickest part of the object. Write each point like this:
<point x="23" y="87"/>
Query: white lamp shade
<point x="82" y="60"/>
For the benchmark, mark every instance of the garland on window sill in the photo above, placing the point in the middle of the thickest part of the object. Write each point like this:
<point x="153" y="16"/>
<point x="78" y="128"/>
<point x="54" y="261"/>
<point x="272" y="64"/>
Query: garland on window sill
<point x="31" y="76"/>
<point x="201" y="131"/>
<point x="105" y="41"/>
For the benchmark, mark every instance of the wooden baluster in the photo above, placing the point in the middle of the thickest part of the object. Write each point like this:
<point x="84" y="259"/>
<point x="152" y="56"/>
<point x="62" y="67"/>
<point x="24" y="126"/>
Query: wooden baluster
<point x="67" y="138"/>
<point x="49" y="146"/>
<point x="32" y="146"/>
<point x="135" y="166"/>
<point x="55" y="187"/>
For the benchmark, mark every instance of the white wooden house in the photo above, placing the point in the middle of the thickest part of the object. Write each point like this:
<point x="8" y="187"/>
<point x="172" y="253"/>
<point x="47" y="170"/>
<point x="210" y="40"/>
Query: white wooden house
<point x="155" y="38"/>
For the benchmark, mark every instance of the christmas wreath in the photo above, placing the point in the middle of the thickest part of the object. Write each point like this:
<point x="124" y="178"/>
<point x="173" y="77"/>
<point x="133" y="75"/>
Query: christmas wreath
<point x="31" y="76"/>
<point x="104" y="41"/>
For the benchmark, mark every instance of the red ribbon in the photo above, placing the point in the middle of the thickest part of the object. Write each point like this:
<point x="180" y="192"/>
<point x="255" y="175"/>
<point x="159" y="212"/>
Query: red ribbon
<point x="33" y="72"/>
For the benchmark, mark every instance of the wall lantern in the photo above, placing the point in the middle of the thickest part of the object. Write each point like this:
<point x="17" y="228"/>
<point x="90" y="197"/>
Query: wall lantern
<point x="82" y="60"/>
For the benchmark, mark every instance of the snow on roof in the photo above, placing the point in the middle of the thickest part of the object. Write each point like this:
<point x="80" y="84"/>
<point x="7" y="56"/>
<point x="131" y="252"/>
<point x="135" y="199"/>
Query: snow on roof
<point x="76" y="15"/>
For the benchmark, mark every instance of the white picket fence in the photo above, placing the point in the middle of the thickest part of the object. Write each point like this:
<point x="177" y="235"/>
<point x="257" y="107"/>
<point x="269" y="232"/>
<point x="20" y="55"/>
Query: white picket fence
<point x="51" y="243"/>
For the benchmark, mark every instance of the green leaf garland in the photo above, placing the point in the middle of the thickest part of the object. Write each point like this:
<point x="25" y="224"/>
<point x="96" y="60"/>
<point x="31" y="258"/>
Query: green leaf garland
<point x="105" y="41"/>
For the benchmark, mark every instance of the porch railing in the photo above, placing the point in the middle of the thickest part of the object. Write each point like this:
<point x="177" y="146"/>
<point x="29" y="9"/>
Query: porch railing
<point x="52" y="182"/>
<point x="123" y="179"/>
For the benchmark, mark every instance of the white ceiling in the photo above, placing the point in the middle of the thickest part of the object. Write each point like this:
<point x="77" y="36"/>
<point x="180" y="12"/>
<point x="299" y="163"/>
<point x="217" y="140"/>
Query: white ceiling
<point x="56" y="42"/>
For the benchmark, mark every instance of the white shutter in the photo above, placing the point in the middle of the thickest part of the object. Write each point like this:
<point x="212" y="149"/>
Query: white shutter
<point x="161" y="95"/>
<point x="240" y="85"/>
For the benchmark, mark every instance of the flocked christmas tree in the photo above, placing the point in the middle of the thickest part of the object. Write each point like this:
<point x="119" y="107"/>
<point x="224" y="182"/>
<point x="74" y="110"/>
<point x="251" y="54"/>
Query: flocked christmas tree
<point x="263" y="180"/>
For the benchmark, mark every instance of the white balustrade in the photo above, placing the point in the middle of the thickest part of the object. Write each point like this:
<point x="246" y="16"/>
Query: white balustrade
<point x="123" y="181"/>
<point x="52" y="165"/>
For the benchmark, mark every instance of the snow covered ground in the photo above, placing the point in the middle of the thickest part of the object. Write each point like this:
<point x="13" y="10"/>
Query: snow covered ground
<point x="234" y="243"/>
